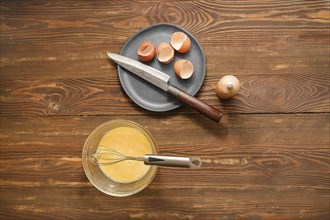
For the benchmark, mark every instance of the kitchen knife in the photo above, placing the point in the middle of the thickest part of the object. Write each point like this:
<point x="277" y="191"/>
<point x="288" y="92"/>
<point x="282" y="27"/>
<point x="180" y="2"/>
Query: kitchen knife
<point x="161" y="80"/>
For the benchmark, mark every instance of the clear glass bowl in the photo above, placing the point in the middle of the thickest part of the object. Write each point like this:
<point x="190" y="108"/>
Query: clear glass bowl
<point x="97" y="177"/>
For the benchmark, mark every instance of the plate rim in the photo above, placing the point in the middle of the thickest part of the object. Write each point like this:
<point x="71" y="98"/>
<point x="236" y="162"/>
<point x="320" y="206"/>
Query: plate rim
<point x="178" y="103"/>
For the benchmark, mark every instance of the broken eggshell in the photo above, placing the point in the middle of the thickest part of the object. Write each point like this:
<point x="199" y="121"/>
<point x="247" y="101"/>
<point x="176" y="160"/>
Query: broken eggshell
<point x="183" y="69"/>
<point x="146" y="51"/>
<point x="165" y="53"/>
<point x="180" y="42"/>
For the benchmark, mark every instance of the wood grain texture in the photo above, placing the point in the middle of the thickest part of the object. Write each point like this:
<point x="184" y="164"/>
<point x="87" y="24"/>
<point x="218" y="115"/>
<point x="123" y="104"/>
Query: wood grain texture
<point x="270" y="37"/>
<point x="246" y="172"/>
<point x="256" y="156"/>
<point x="103" y="96"/>
<point x="268" y="159"/>
<point x="212" y="203"/>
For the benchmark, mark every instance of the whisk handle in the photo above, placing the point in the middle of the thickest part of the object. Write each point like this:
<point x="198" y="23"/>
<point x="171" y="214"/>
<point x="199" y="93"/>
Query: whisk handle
<point x="172" y="161"/>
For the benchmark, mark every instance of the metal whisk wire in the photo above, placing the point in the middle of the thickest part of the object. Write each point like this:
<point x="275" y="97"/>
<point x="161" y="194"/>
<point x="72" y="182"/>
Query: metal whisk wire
<point x="104" y="153"/>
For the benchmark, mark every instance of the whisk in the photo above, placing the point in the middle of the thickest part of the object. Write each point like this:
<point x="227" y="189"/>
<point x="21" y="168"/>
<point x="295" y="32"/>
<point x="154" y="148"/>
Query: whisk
<point x="108" y="156"/>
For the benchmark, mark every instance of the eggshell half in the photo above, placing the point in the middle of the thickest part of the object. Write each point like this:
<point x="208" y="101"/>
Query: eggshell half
<point x="180" y="42"/>
<point x="146" y="51"/>
<point x="165" y="53"/>
<point x="183" y="69"/>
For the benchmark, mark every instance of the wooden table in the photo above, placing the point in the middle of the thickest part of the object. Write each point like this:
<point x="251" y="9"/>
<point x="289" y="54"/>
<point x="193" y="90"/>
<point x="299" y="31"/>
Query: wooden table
<point x="268" y="159"/>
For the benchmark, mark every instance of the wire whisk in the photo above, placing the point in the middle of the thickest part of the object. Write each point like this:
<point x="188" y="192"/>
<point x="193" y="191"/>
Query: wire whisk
<point x="105" y="156"/>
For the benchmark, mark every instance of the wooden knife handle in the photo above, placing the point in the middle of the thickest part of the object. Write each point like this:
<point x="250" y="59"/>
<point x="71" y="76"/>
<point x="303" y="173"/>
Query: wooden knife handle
<point x="195" y="103"/>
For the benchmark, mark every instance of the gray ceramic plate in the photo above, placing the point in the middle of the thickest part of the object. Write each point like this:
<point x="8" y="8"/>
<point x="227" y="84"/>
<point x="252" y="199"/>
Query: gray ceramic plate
<point x="147" y="95"/>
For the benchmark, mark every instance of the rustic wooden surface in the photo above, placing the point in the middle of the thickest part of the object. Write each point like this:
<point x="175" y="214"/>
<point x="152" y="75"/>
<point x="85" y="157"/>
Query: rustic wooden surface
<point x="268" y="159"/>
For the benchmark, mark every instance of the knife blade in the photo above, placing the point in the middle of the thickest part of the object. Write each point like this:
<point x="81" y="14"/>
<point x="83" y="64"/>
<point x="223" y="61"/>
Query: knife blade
<point x="161" y="80"/>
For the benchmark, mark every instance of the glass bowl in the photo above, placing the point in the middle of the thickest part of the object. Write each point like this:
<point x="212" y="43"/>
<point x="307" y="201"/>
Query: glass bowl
<point x="98" y="178"/>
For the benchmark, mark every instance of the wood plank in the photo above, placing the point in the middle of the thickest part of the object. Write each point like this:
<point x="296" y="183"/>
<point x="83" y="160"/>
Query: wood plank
<point x="174" y="203"/>
<point x="64" y="62"/>
<point x="267" y="38"/>
<point x="247" y="150"/>
<point x="104" y="96"/>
